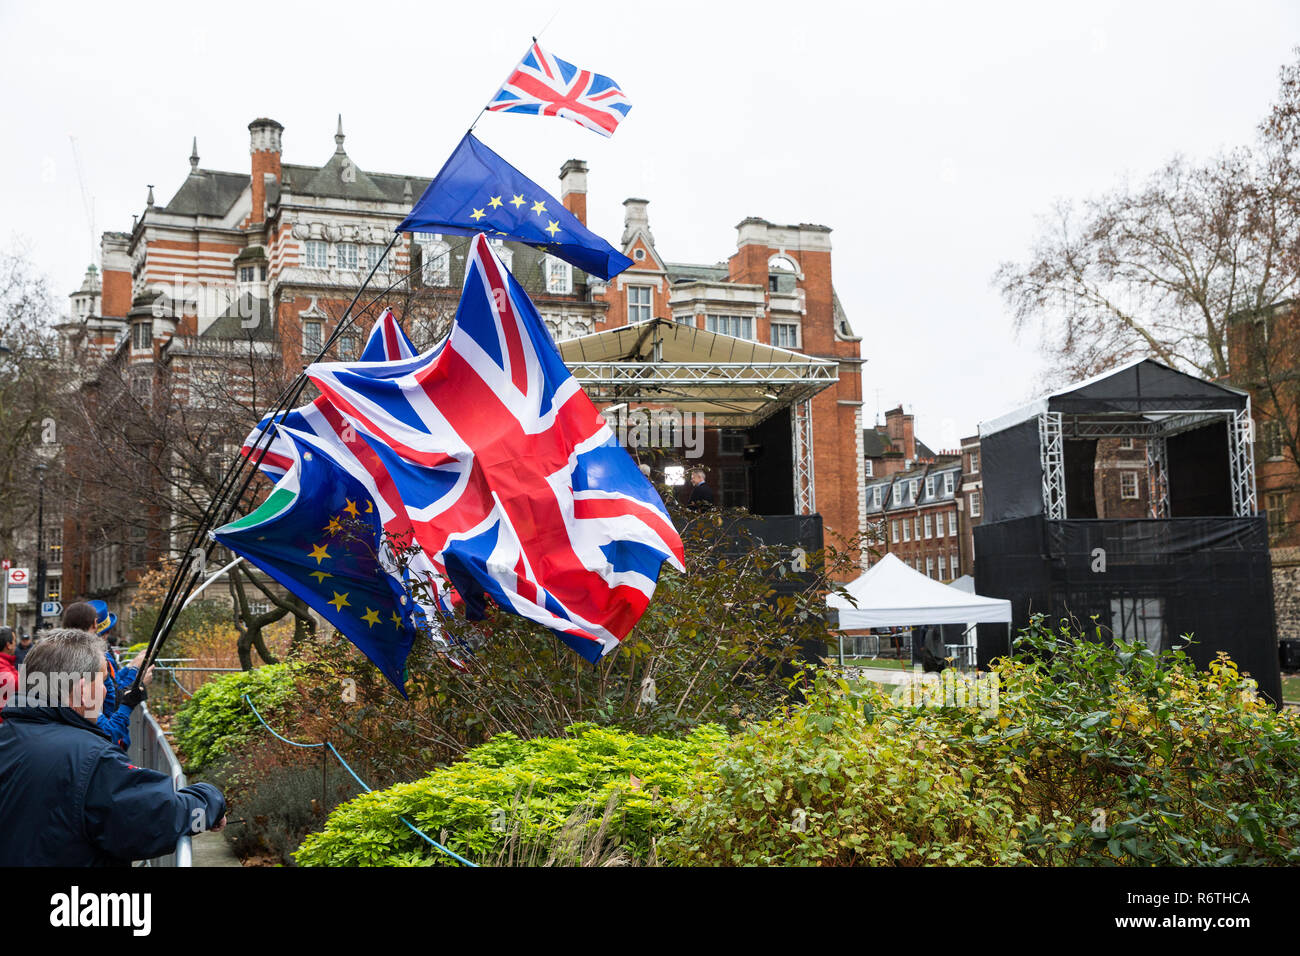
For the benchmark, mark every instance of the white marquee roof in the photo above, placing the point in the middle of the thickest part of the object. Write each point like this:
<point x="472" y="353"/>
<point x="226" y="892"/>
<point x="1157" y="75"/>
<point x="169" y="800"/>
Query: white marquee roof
<point x="891" y="594"/>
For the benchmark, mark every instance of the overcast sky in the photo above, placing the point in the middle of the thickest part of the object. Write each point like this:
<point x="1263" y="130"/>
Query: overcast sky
<point x="928" y="136"/>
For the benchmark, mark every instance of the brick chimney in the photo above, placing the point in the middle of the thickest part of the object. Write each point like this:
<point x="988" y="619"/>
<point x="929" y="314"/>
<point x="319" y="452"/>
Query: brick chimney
<point x="573" y="188"/>
<point x="264" y="145"/>
<point x="901" y="431"/>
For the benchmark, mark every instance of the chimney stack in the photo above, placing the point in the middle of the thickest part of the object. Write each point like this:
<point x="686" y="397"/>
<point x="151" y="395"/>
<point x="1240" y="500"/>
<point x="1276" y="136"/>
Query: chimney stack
<point x="901" y="429"/>
<point x="264" y="145"/>
<point x="573" y="188"/>
<point x="635" y="219"/>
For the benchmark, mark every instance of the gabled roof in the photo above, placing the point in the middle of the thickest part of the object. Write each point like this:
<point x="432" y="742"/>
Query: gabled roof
<point x="1142" y="387"/>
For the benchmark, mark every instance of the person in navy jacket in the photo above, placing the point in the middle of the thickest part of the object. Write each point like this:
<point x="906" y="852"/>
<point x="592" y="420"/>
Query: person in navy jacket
<point x="68" y="795"/>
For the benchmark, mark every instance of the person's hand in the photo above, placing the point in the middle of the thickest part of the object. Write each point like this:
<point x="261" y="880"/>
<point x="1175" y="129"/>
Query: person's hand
<point x="148" y="675"/>
<point x="138" y="660"/>
<point x="221" y="824"/>
<point x="133" y="695"/>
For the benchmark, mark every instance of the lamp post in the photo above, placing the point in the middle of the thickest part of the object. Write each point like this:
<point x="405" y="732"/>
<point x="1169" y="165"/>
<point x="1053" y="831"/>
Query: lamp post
<point x="41" y="468"/>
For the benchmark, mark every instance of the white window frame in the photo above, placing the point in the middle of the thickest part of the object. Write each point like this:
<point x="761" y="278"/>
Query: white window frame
<point x="916" y="527"/>
<point x="348" y="256"/>
<point x="875" y="497"/>
<point x="893" y="530"/>
<point x="1124" y="477"/>
<point x="929" y="566"/>
<point x="948" y="483"/>
<point x="869" y="467"/>
<point x="737" y="326"/>
<point x="789" y="337"/>
<point x="316" y="254"/>
<point x="559" y="276"/>
<point x="929" y="486"/>
<point x="907" y="530"/>
<point x="311" y="344"/>
<point x="943" y="566"/>
<point x="435" y="260"/>
<point x="952" y="524"/>
<point x="975" y="504"/>
<point x="929" y="527"/>
<point x="640" y="303"/>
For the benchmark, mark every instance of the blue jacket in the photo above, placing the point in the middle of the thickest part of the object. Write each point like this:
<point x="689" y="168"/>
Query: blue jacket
<point x="69" y="797"/>
<point x="115" y="721"/>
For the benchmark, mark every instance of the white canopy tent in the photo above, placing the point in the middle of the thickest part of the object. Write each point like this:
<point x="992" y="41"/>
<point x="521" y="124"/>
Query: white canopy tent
<point x="891" y="594"/>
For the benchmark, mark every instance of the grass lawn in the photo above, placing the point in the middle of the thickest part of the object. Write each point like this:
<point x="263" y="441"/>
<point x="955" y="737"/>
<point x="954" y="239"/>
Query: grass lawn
<point x="1291" y="687"/>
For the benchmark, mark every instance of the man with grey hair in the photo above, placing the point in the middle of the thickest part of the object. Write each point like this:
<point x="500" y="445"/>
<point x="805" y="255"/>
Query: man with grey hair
<point x="68" y="796"/>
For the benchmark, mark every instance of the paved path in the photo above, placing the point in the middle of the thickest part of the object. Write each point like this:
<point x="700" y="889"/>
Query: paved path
<point x="213" y="849"/>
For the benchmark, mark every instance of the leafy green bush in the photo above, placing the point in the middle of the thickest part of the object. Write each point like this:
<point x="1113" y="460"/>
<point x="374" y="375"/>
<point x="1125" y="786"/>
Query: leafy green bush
<point x="1095" y="754"/>
<point x="217" y="717"/>
<point x="510" y="797"/>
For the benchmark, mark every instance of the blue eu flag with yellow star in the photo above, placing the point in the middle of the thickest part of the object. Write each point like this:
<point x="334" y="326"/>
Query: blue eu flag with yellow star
<point x="319" y="535"/>
<point x="478" y="191"/>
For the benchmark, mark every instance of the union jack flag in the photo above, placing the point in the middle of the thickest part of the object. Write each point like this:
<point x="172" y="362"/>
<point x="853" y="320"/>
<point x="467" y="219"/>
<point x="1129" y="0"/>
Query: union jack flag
<point x="386" y="342"/>
<point x="510" y="480"/>
<point x="545" y="85"/>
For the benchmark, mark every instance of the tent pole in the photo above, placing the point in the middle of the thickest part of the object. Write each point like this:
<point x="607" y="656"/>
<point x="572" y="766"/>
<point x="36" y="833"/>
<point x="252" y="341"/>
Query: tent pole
<point x="841" y="650"/>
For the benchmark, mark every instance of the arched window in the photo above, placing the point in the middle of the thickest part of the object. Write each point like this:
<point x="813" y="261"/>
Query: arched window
<point x="435" y="259"/>
<point x="504" y="252"/>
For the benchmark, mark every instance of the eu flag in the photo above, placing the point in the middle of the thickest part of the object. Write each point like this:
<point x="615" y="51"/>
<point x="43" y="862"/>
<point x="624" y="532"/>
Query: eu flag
<point x="319" y="535"/>
<point x="478" y="191"/>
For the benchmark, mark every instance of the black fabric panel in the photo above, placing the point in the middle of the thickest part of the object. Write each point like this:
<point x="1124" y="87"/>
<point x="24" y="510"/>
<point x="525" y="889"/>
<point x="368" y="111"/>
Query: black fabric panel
<point x="1147" y="386"/>
<point x="1208" y="577"/>
<point x="1012" y="473"/>
<point x="771" y="466"/>
<point x="1080" y="478"/>
<point x="1200" y="483"/>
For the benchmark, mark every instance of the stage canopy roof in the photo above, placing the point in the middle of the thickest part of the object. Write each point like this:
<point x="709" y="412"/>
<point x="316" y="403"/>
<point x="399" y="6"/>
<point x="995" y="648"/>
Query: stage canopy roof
<point x="891" y="594"/>
<point x="1143" y="390"/>
<point x="732" y="381"/>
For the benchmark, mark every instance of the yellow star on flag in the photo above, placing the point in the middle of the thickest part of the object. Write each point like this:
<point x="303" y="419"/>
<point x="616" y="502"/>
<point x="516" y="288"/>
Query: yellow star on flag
<point x="518" y="201"/>
<point x="477" y="214"/>
<point x="370" y="507"/>
<point x="320" y="576"/>
<point x="539" y="207"/>
<point x="341" y="600"/>
<point x="494" y="202"/>
<point x="319" y="553"/>
<point x="397" y="619"/>
<point x="334" y="526"/>
<point x="553" y="228"/>
<point x="351" y="507"/>
<point x="371" y="617"/>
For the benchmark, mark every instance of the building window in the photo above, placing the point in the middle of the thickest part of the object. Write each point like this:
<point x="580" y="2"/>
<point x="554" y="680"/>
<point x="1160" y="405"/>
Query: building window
<point x="559" y="276"/>
<point x="893" y="530"/>
<point x="929" y="567"/>
<point x="1270" y="433"/>
<point x="687" y="318"/>
<point x="54" y="545"/>
<point x="907" y="530"/>
<point x="974" y="462"/>
<point x="916" y="527"/>
<point x="740" y="326"/>
<point x="54" y="589"/>
<point x="898" y="495"/>
<point x="247" y="273"/>
<point x="948" y="483"/>
<point x="975" y="504"/>
<point x="374" y="255"/>
<point x="870" y="468"/>
<point x="732" y="488"/>
<point x="929" y="487"/>
<point x="639" y="298"/>
<point x="943" y="566"/>
<point x="731" y="441"/>
<point x="311" y="337"/>
<point x="346" y="255"/>
<point x="435" y="259"/>
<point x="142" y="336"/>
<point x="1128" y="484"/>
<point x="929" y="527"/>
<point x="1276" y="505"/>
<point x="1126" y="444"/>
<point x="913" y="487"/>
<point x="785" y="335"/>
<point x="347" y="347"/>
<point x="316" y="254"/>
<point x="781" y="275"/>
<point x="952" y="524"/>
<point x="504" y="252"/>
<point x="875" y="496"/>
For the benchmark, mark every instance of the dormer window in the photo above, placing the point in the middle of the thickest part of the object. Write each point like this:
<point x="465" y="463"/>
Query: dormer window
<point x="559" y="276"/>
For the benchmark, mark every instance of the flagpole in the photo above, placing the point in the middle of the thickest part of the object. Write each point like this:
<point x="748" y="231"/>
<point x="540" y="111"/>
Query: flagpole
<point x="222" y="499"/>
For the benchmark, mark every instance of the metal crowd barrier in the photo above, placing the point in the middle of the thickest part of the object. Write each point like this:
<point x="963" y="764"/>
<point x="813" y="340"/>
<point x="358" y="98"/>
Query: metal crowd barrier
<point x="149" y="748"/>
